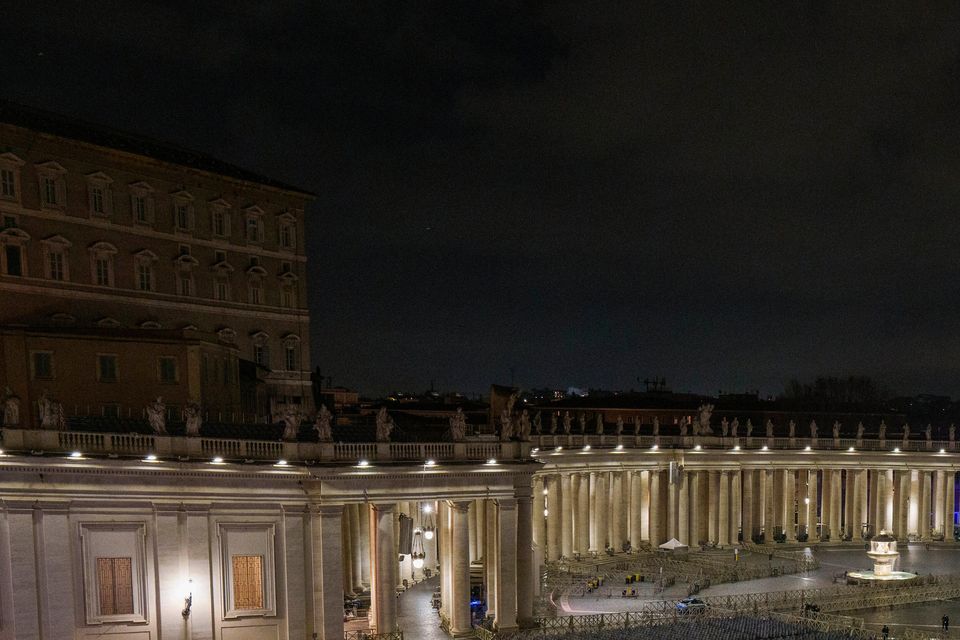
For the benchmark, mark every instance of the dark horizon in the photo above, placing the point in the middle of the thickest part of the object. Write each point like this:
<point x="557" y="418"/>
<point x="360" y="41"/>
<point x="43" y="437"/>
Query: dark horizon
<point x="726" y="197"/>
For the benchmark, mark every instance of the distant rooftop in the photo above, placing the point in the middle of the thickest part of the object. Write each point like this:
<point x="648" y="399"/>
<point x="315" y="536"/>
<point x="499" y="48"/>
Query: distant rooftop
<point x="103" y="136"/>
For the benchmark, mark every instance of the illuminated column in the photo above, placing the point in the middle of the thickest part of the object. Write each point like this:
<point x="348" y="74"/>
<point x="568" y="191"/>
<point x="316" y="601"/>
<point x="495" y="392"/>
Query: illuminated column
<point x="849" y="503"/>
<point x="602" y="510"/>
<point x="492" y="553"/>
<point x="903" y="503"/>
<point x="683" y="510"/>
<point x="654" y="522"/>
<point x="748" y="511"/>
<point x="723" y="509"/>
<point x="326" y="533"/>
<point x="636" y="515"/>
<point x="616" y="512"/>
<point x="735" y="507"/>
<point x="713" y="490"/>
<point x="938" y="502"/>
<point x="460" y="568"/>
<point x="539" y="522"/>
<point x="887" y="495"/>
<point x="924" y="505"/>
<point x="474" y="534"/>
<point x="949" y="496"/>
<point x="673" y="486"/>
<point x="505" y="614"/>
<point x="526" y="573"/>
<point x="481" y="507"/>
<point x="583" y="514"/>
<point x="826" y="506"/>
<point x="803" y="502"/>
<point x="693" y="504"/>
<point x="644" y="505"/>
<point x="914" y="511"/>
<point x="566" y="517"/>
<point x="553" y="509"/>
<point x="814" y="503"/>
<point x="593" y="511"/>
<point x="384" y="573"/>
<point x="836" y="505"/>
<point x="789" y="504"/>
<point x="347" y="549"/>
<point x="768" y="506"/>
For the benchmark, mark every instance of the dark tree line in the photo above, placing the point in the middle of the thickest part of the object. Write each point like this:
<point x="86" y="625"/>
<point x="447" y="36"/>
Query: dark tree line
<point x="830" y="392"/>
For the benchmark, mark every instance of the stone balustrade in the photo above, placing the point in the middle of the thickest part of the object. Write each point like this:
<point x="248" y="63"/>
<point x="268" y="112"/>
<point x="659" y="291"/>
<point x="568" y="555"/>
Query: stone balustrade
<point x="728" y="442"/>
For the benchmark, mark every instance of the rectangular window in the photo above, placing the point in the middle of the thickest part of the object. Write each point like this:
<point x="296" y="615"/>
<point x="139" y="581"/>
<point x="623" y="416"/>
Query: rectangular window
<point x="186" y="286"/>
<point x="106" y="368"/>
<point x="56" y="265"/>
<point x="182" y="216"/>
<point x="247" y="582"/>
<point x="144" y="277"/>
<point x="290" y="359"/>
<point x="110" y="411"/>
<point x="42" y="365"/>
<point x="48" y="186"/>
<point x="219" y="223"/>
<point x="287" y="297"/>
<point x="256" y="293"/>
<point x="168" y="370"/>
<point x="261" y="355"/>
<point x="285" y="266"/>
<point x="287" y="236"/>
<point x="115" y="586"/>
<point x="219" y="256"/>
<point x="96" y="199"/>
<point x="253" y="229"/>
<point x="103" y="271"/>
<point x="139" y="204"/>
<point x="13" y="259"/>
<point x="7" y="186"/>
<point x="221" y="290"/>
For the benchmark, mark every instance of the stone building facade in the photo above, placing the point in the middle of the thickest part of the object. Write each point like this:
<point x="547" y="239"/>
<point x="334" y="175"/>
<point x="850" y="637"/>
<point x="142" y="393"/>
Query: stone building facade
<point x="112" y="237"/>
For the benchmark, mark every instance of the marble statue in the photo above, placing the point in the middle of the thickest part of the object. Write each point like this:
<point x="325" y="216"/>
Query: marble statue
<point x="385" y="425"/>
<point x="928" y="432"/>
<point x="749" y="428"/>
<point x="860" y="430"/>
<point x="906" y="432"/>
<point x="506" y="425"/>
<point x="813" y="430"/>
<point x="553" y="422"/>
<point x="524" y="425"/>
<point x="511" y="401"/>
<point x="683" y="427"/>
<point x="11" y="408"/>
<point x="157" y="416"/>
<point x="567" y="422"/>
<point x="636" y="425"/>
<point x="51" y="413"/>
<point x="792" y="429"/>
<point x="836" y="433"/>
<point x="619" y="425"/>
<point x="656" y="426"/>
<point x="582" y="419"/>
<point x="705" y="411"/>
<point x="537" y="423"/>
<point x="769" y="428"/>
<point x="599" y="423"/>
<point x="735" y="426"/>
<point x="724" y="427"/>
<point x="322" y="424"/>
<point x="193" y="418"/>
<point x="291" y="423"/>
<point x="953" y="431"/>
<point x="883" y="431"/>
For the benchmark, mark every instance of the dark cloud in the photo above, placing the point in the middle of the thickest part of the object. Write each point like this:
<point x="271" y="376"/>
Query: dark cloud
<point x="726" y="195"/>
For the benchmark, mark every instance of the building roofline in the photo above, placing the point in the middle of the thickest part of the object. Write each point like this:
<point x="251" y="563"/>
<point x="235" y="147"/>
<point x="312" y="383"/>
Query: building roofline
<point x="39" y="120"/>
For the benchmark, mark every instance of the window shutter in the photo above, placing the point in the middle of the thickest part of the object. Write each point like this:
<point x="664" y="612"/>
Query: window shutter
<point x="61" y="191"/>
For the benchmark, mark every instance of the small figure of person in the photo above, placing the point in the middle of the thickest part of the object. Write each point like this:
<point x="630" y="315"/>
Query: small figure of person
<point x="946" y="622"/>
<point x="885" y="632"/>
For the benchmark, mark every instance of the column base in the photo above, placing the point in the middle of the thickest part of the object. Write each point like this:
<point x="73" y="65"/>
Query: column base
<point x="508" y="629"/>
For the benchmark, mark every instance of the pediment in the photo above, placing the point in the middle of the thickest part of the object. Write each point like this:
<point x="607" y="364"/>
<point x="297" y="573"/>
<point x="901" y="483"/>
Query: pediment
<point x="99" y="176"/>
<point x="51" y="166"/>
<point x="11" y="158"/>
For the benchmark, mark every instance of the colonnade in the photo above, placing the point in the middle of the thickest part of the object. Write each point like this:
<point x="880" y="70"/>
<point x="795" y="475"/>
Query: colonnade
<point x="593" y="510"/>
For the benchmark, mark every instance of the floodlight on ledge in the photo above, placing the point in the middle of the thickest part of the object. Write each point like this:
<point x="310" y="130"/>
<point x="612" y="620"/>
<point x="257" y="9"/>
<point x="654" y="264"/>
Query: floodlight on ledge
<point x="698" y="448"/>
<point x="363" y="463"/>
<point x="150" y="458"/>
<point x="430" y="463"/>
<point x="76" y="454"/>
<point x="851" y="450"/>
<point x="655" y="447"/>
<point x="282" y="463"/>
<point x="492" y="461"/>
<point x="808" y="448"/>
<point x="586" y="447"/>
<point x="218" y="460"/>
<point x="943" y="450"/>
<point x="535" y="449"/>
<point x="559" y="449"/>
<point x="736" y="447"/>
<point x="764" y="448"/>
<point x="619" y="447"/>
<point x="896" y="449"/>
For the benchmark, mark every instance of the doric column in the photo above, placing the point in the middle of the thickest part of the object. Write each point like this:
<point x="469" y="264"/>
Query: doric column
<point x="474" y="534"/>
<point x="326" y="534"/>
<point x="636" y="517"/>
<point x="364" y="512"/>
<point x="384" y="568"/>
<point x="747" y="517"/>
<point x="618" y="527"/>
<point x="713" y="504"/>
<point x="539" y="521"/>
<point x="924" y="505"/>
<point x="769" y="508"/>
<point x="789" y="504"/>
<point x="481" y="508"/>
<point x="553" y="509"/>
<point x="938" y="503"/>
<point x="460" y="569"/>
<point x="803" y="502"/>
<point x="902" y="503"/>
<point x="850" y="500"/>
<point x="654" y="523"/>
<point x="693" y="484"/>
<point x="673" y="494"/>
<point x="723" y="510"/>
<point x="526" y="574"/>
<point x="683" y="510"/>
<point x="356" y="550"/>
<point x="566" y="516"/>
<point x="492" y="553"/>
<point x="583" y="514"/>
<point x="913" y="526"/>
<point x="593" y="511"/>
<point x="735" y="507"/>
<point x="505" y="614"/>
<point x="949" y="498"/>
<point x="814" y="508"/>
<point x="347" y="550"/>
<point x="825" y="521"/>
<point x="644" y="505"/>
<point x="602" y="510"/>
<point x="886" y="498"/>
<point x="836" y="505"/>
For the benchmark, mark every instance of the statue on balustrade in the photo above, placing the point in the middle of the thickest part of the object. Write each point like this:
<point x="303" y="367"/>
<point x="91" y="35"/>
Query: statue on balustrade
<point x="599" y="423"/>
<point x="683" y="427"/>
<point x="860" y="430"/>
<point x="322" y="425"/>
<point x="193" y="418"/>
<point x="553" y="421"/>
<point x="619" y="425"/>
<point x="291" y="423"/>
<point x="724" y="427"/>
<point x="749" y="428"/>
<point x="567" y="422"/>
<point x="11" y="408"/>
<point x="51" y="413"/>
<point x="928" y="432"/>
<point x="524" y="425"/>
<point x="836" y="433"/>
<point x="537" y="423"/>
<point x="656" y="426"/>
<point x="582" y="419"/>
<point x="953" y="432"/>
<point x="769" y="428"/>
<point x="792" y="429"/>
<point x="883" y="431"/>
<point x="157" y="416"/>
<point x="705" y="411"/>
<point x="506" y="426"/>
<point x="813" y="430"/>
<point x="906" y="432"/>
<point x="735" y="426"/>
<point x="636" y="425"/>
<point x="385" y="425"/>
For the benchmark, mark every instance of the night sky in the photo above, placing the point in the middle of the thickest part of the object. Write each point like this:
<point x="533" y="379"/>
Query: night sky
<point x="728" y="196"/>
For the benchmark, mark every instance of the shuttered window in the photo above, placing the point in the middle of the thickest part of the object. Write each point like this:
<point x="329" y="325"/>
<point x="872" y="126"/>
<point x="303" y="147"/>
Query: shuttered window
<point x="115" y="585"/>
<point x="247" y="582"/>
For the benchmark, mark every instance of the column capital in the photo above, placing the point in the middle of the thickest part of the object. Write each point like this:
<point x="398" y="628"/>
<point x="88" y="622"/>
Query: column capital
<point x="521" y="493"/>
<point x="507" y="504"/>
<point x="384" y="507"/>
<point x="330" y="509"/>
<point x="459" y="505"/>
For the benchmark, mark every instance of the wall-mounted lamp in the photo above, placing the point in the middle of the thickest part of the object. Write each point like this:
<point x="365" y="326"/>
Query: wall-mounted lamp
<point x="187" y="599"/>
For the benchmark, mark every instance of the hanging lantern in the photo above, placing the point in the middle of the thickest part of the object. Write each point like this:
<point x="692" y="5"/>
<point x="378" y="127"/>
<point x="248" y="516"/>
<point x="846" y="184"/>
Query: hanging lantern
<point x="418" y="555"/>
<point x="428" y="526"/>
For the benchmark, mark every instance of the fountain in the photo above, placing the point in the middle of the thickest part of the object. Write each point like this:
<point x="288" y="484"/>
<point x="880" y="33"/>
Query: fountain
<point x="883" y="552"/>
